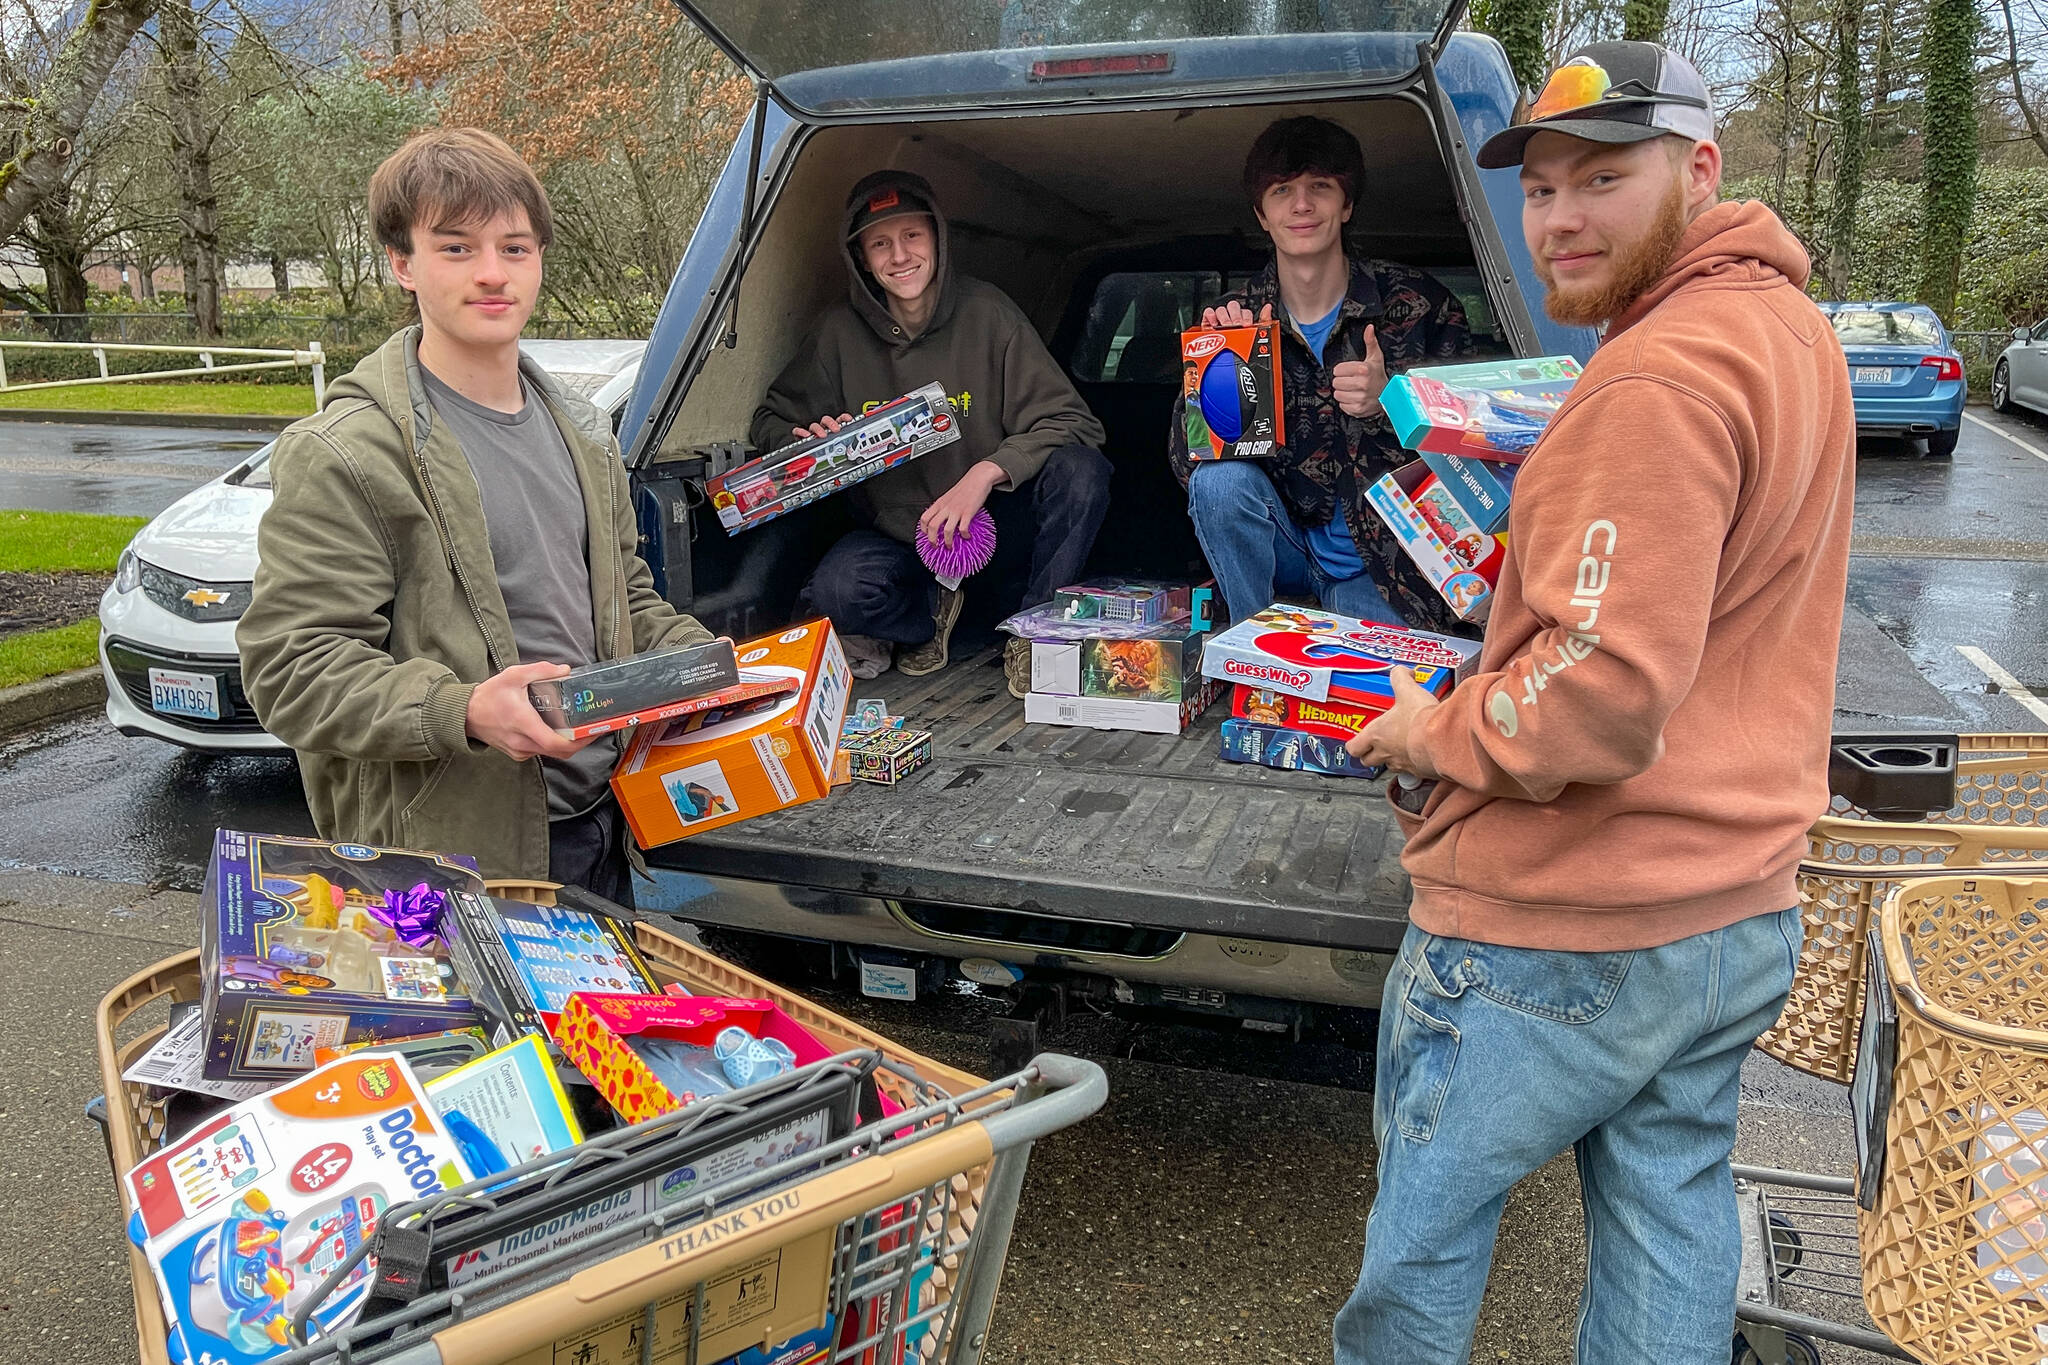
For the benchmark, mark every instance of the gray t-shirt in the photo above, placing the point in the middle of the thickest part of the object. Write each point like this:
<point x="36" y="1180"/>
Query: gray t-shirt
<point x="533" y="509"/>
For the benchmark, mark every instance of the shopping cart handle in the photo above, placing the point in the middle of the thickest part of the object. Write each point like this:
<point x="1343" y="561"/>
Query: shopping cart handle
<point x="1069" y="1089"/>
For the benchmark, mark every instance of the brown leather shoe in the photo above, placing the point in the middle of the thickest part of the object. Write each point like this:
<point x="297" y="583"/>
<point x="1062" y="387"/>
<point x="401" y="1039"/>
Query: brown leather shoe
<point x="914" y="661"/>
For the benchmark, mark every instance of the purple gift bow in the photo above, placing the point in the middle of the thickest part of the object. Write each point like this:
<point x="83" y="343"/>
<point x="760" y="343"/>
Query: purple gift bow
<point x="415" y="915"/>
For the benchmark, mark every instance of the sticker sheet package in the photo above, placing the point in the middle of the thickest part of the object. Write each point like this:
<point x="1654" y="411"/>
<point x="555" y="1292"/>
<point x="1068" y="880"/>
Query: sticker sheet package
<point x="1494" y="409"/>
<point x="1265" y="706"/>
<point x="1162" y="669"/>
<point x="1426" y="517"/>
<point x="306" y="945"/>
<point x="244" y="1217"/>
<point x="879" y="439"/>
<point x="1111" y="713"/>
<point x="601" y="697"/>
<point x="1482" y="487"/>
<point x="886" y="756"/>
<point x="718" y="767"/>
<point x="1273" y="746"/>
<point x="634" y="1048"/>
<point x="1230" y="386"/>
<point x="1338" y="660"/>
<point x="522" y="962"/>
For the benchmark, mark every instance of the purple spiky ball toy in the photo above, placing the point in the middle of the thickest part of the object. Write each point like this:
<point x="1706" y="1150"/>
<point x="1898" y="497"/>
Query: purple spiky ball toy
<point x="968" y="555"/>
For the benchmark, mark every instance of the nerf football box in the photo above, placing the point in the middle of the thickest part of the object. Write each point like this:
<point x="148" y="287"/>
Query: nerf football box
<point x="1110" y="713"/>
<point x="602" y="697"/>
<point x="1494" y="409"/>
<point x="242" y="1218"/>
<point x="298" y="951"/>
<point x="1482" y="487"/>
<point x="1334" y="659"/>
<point x="1264" y="706"/>
<point x="1274" y="746"/>
<point x="1463" y="561"/>
<point x="1166" y="668"/>
<point x="879" y="439"/>
<point x="1230" y="385"/>
<point x="714" y="768"/>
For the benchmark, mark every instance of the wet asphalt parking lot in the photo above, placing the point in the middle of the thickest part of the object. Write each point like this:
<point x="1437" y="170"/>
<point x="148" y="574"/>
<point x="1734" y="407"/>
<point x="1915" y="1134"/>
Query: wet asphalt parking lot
<point x="1215" y="1210"/>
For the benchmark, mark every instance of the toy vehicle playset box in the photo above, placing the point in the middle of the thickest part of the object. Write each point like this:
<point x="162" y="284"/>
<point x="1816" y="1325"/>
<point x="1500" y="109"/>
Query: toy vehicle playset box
<point x="1114" y="713"/>
<point x="242" y="1218"/>
<point x="1492" y="409"/>
<point x="1266" y="706"/>
<point x="301" y="951"/>
<point x="1460" y="559"/>
<point x="1338" y="660"/>
<point x="879" y="439"/>
<point x="1274" y="746"/>
<point x="601" y="1035"/>
<point x="886" y="756"/>
<point x="714" y="768"/>
<point x="1230" y="385"/>
<point x="599" y="698"/>
<point x="1165" y="668"/>
<point x="522" y="961"/>
<point x="1482" y="487"/>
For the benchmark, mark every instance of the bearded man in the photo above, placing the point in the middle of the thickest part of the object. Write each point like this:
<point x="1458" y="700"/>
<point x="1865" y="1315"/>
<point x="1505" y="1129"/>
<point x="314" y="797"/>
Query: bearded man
<point x="1604" y="915"/>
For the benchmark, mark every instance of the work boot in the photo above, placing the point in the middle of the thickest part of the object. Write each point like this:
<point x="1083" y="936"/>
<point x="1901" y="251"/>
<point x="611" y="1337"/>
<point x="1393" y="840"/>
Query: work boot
<point x="1017" y="667"/>
<point x="914" y="661"/>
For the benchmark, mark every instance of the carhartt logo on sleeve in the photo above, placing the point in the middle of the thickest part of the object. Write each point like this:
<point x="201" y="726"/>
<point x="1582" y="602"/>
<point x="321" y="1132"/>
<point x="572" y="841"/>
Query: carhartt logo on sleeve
<point x="1589" y="585"/>
<point x="884" y="199"/>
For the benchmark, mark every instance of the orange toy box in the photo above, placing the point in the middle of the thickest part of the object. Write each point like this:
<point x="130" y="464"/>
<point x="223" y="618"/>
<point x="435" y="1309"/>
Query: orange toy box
<point x="623" y="1044"/>
<point x="717" y="767"/>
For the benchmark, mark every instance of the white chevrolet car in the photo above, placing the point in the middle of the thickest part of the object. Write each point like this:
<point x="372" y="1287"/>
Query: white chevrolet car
<point x="167" y="625"/>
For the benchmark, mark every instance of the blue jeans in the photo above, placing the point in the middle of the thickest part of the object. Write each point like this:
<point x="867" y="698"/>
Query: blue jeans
<point x="1257" y="552"/>
<point x="1492" y="1060"/>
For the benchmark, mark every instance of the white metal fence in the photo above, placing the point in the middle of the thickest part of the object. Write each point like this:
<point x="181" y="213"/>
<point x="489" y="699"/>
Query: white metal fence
<point x="267" y="359"/>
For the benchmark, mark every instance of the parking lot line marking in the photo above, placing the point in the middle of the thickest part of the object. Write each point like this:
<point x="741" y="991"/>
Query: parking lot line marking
<point x="1997" y="430"/>
<point x="2007" y="683"/>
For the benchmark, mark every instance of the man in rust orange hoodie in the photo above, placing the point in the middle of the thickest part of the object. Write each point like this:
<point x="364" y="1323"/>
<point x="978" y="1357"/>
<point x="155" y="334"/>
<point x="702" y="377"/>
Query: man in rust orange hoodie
<point x="1605" y="915"/>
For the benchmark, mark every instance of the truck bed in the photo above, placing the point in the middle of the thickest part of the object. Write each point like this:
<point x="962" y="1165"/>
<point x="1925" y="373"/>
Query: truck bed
<point x="1148" y="830"/>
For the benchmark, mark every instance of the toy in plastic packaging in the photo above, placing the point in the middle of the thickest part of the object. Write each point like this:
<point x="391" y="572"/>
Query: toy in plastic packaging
<point x="1143" y="600"/>
<point x="879" y="439"/>
<point x="616" y="693"/>
<point x="1338" y="660"/>
<point x="523" y="961"/>
<point x="1494" y="409"/>
<point x="1436" y="532"/>
<point x="1273" y="746"/>
<point x="1230" y="379"/>
<point x="306" y="945"/>
<point x="243" y="1218"/>
<point x="636" y="1048"/>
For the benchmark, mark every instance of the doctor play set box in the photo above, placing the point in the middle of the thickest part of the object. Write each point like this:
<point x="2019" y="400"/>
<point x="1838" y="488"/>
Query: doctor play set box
<point x="718" y="767"/>
<point x="301" y="949"/>
<point x="244" y="1217"/>
<point x="1454" y="553"/>
<point x="1494" y="409"/>
<point x="1337" y="660"/>
<point x="879" y="439"/>
<point x="1231" y="389"/>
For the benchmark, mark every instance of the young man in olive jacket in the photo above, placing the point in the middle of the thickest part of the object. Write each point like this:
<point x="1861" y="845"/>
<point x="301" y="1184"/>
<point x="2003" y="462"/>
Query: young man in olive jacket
<point x="907" y="321"/>
<point x="450" y="527"/>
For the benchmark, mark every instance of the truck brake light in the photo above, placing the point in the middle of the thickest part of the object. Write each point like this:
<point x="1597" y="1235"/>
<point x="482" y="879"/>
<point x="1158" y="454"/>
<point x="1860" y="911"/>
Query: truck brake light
<point x="1122" y="64"/>
<point x="1944" y="366"/>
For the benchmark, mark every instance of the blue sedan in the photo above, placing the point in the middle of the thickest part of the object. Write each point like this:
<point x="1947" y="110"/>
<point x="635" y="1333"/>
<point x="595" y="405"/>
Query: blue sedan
<point x="1903" y="371"/>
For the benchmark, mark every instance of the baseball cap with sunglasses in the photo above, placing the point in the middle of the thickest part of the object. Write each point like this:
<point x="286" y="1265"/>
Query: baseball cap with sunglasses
<point x="1612" y="92"/>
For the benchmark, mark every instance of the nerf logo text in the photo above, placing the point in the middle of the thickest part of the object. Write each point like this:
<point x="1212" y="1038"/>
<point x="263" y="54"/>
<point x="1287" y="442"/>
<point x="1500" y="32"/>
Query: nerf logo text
<point x="1209" y="343"/>
<point x="1286" y="677"/>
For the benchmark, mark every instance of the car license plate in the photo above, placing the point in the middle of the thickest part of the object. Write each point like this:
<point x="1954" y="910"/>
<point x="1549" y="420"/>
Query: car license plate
<point x="1873" y="374"/>
<point x="173" y="692"/>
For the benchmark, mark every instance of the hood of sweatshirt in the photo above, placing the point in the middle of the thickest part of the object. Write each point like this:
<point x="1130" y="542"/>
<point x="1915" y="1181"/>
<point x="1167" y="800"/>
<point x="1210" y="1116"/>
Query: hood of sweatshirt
<point x="869" y="300"/>
<point x="1738" y="242"/>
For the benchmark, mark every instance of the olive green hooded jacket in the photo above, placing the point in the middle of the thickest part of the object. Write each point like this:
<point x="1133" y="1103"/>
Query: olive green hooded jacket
<point x="377" y="611"/>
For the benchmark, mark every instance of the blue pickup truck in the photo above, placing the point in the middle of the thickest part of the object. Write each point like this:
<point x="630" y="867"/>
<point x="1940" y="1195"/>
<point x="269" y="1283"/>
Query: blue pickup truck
<point x="1088" y="156"/>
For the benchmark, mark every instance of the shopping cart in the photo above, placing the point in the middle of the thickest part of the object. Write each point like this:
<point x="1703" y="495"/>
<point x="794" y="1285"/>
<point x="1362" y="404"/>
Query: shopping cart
<point x="894" y="1233"/>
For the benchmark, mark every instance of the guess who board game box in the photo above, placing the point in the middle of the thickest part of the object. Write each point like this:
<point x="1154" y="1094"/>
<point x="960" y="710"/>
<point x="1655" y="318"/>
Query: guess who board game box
<point x="298" y="951"/>
<point x="714" y="768"/>
<point x="1337" y="660"/>
<point x="242" y="1218"/>
<point x="1463" y="561"/>
<point x="1494" y="409"/>
<point x="879" y="439"/>
<point x="1230" y="384"/>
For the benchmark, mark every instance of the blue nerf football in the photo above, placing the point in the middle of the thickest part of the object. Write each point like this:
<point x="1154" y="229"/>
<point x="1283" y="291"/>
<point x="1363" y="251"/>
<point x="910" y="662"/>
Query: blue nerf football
<point x="1231" y="387"/>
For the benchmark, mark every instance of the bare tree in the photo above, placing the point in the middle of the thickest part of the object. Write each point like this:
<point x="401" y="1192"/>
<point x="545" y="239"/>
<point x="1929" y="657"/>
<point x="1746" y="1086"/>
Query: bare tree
<point x="2019" y="90"/>
<point x="43" y="125"/>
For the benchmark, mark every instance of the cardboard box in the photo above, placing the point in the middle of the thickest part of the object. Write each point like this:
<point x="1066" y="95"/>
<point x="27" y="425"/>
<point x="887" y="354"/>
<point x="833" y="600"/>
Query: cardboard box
<point x="886" y="756"/>
<point x="1265" y="706"/>
<point x="1463" y="561"/>
<point x="714" y="768"/>
<point x="596" y="1032"/>
<point x="1496" y="409"/>
<point x="1230" y="386"/>
<point x="599" y="698"/>
<point x="1106" y="713"/>
<point x="522" y="962"/>
<point x="879" y="439"/>
<point x="1482" y="487"/>
<point x="292" y="960"/>
<point x="1160" y="669"/>
<point x="1335" y="659"/>
<point x="1122" y="599"/>
<point x="1274" y="746"/>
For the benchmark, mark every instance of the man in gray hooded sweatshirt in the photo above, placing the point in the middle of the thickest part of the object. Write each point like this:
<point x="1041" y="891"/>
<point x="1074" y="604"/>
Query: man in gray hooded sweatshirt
<point x="1026" y="436"/>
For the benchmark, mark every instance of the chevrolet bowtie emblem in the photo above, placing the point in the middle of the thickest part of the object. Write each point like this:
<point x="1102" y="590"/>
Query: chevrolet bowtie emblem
<point x="205" y="597"/>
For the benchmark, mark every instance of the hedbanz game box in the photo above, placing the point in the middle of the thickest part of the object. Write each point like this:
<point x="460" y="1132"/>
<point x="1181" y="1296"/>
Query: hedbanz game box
<point x="1231" y="390"/>
<point x="879" y="439"/>
<point x="1335" y="659"/>
<point x="1494" y="409"/>
<point x="1265" y="706"/>
<point x="654" y="685"/>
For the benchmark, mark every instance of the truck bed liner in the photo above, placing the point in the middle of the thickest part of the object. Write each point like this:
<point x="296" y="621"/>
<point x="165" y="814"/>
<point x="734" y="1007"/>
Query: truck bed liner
<point x="1152" y="830"/>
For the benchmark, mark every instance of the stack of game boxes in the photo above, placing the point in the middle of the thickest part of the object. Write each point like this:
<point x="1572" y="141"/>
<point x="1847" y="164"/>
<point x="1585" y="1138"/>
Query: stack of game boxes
<point x="1472" y="425"/>
<point x="1303" y="681"/>
<point x="1118" y="654"/>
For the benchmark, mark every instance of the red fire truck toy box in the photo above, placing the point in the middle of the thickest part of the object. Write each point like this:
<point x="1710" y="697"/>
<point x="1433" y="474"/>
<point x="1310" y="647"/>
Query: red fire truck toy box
<point x="1333" y="659"/>
<point x="1231" y="392"/>
<point x="1437" y="532"/>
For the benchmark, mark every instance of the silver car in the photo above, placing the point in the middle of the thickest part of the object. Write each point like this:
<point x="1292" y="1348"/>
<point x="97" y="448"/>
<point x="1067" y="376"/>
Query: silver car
<point x="2021" y="379"/>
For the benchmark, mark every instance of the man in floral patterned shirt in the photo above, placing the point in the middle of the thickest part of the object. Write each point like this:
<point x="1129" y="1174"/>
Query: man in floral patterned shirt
<point x="1300" y="522"/>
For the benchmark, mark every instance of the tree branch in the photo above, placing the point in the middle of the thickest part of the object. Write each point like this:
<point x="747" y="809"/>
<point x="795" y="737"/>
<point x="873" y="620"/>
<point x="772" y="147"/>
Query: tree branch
<point x="2019" y="93"/>
<point x="73" y="85"/>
